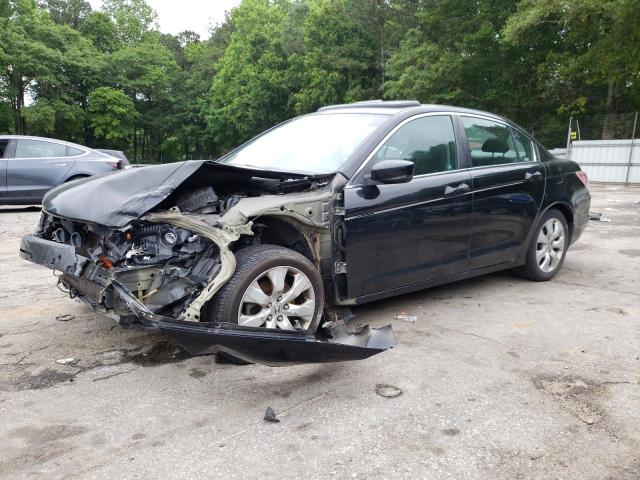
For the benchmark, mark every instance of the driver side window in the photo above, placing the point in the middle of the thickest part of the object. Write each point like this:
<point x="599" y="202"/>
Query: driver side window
<point x="429" y="142"/>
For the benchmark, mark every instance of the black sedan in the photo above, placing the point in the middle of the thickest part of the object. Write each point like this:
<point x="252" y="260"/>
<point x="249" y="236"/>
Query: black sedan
<point x="257" y="255"/>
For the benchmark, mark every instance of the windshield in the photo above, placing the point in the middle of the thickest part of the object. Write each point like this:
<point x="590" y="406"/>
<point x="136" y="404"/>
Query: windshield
<point x="315" y="144"/>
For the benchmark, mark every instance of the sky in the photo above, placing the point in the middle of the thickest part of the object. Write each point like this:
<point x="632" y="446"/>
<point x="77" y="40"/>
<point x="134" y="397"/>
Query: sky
<point x="175" y="16"/>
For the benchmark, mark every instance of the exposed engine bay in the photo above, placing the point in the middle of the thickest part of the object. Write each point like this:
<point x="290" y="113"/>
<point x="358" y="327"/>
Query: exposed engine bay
<point x="163" y="265"/>
<point x="156" y="254"/>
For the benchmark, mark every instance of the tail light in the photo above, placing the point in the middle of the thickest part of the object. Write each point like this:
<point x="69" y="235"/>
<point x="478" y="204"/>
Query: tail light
<point x="117" y="164"/>
<point x="584" y="178"/>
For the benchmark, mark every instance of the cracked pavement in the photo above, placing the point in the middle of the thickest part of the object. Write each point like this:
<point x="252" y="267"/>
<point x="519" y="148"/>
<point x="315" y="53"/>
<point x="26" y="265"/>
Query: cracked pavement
<point x="501" y="378"/>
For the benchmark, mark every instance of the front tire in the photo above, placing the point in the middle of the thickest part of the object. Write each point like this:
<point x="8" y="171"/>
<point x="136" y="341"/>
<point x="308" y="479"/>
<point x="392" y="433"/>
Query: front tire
<point x="272" y="287"/>
<point x="547" y="249"/>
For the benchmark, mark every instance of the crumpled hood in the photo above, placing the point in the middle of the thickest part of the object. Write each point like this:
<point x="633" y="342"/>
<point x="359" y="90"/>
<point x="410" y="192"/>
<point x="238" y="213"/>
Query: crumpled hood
<point x="115" y="199"/>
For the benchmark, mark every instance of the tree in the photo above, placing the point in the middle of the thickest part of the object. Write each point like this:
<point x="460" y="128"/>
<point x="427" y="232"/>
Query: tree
<point x="134" y="20"/>
<point x="201" y="59"/>
<point x="149" y="75"/>
<point x="456" y="54"/>
<point x="112" y="116"/>
<point x="67" y="12"/>
<point x="42" y="59"/>
<point x="100" y="29"/>
<point x="65" y="70"/>
<point x="250" y="91"/>
<point x="339" y="61"/>
<point x="599" y="46"/>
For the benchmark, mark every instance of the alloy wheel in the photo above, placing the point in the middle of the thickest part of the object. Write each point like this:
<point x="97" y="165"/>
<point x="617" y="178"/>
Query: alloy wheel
<point x="550" y="245"/>
<point x="282" y="297"/>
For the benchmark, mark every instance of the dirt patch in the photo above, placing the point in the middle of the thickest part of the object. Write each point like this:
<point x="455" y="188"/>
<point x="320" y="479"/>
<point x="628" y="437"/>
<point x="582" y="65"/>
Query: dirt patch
<point x="17" y="377"/>
<point x="576" y="394"/>
<point x="45" y="379"/>
<point x="41" y="445"/>
<point x="160" y="354"/>
<point x="38" y="436"/>
<point x="630" y="252"/>
<point x="197" y="373"/>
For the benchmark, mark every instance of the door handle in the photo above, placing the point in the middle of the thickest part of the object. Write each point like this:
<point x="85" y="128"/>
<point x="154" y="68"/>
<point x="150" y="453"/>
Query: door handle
<point x="529" y="175"/>
<point x="462" y="188"/>
<point x="59" y="164"/>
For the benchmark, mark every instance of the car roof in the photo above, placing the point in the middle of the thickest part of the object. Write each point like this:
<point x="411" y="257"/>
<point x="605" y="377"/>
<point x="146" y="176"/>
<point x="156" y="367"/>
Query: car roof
<point x="392" y="107"/>
<point x="395" y="111"/>
<point x="44" y="139"/>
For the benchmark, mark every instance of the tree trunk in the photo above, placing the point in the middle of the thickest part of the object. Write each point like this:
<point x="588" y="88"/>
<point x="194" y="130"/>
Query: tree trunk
<point x="608" y="127"/>
<point x="18" y="103"/>
<point x="381" y="21"/>
<point x="144" y="137"/>
<point x="135" y="144"/>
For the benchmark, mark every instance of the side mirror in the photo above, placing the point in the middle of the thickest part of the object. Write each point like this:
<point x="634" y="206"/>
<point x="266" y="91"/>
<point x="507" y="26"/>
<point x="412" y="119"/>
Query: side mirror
<point x="393" y="171"/>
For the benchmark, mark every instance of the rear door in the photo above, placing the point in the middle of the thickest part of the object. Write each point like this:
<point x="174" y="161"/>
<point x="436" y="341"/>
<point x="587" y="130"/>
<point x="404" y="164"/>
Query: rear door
<point x="508" y="188"/>
<point x="404" y="234"/>
<point x="36" y="167"/>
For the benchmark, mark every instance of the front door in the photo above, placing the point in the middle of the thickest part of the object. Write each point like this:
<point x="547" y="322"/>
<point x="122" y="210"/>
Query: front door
<point x="36" y="167"/>
<point x="403" y="234"/>
<point x="508" y="188"/>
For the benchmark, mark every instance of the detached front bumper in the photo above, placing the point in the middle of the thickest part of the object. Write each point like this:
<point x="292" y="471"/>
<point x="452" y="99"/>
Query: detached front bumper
<point x="259" y="345"/>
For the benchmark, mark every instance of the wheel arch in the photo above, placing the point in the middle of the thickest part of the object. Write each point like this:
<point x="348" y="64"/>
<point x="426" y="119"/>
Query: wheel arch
<point x="563" y="208"/>
<point x="287" y="233"/>
<point x="566" y="210"/>
<point x="76" y="176"/>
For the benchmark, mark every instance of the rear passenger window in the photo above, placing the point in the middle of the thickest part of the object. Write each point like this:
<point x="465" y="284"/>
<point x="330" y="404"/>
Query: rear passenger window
<point x="39" y="149"/>
<point x="524" y="146"/>
<point x="3" y="147"/>
<point x="490" y="142"/>
<point x="73" y="152"/>
<point x="429" y="142"/>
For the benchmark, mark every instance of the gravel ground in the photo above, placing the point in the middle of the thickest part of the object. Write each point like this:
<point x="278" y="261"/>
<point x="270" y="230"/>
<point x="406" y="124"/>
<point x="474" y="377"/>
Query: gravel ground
<point x="500" y="378"/>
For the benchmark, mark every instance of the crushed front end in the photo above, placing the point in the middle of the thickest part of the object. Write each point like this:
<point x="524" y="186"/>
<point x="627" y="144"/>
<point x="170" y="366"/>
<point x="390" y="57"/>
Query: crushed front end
<point x="161" y="268"/>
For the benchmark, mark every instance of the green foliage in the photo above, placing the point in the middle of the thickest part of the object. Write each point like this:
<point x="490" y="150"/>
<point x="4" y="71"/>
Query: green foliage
<point x="250" y="90"/>
<point x="41" y="117"/>
<point x="339" y="60"/>
<point x="110" y="78"/>
<point x="68" y="12"/>
<point x="133" y="19"/>
<point x="112" y="115"/>
<point x="101" y="31"/>
<point x="6" y="118"/>
<point x="597" y="49"/>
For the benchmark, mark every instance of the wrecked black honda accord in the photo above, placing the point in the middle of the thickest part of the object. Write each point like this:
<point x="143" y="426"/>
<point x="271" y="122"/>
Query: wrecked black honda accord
<point x="257" y="255"/>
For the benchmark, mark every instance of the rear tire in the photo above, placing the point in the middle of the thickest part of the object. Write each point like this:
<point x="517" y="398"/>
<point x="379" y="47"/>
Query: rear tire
<point x="547" y="249"/>
<point x="272" y="287"/>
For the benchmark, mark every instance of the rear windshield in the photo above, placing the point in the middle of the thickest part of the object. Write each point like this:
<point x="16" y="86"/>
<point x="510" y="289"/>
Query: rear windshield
<point x="314" y="144"/>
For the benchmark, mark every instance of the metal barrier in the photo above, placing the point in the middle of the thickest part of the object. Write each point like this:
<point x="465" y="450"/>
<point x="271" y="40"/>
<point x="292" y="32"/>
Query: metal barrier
<point x="612" y="158"/>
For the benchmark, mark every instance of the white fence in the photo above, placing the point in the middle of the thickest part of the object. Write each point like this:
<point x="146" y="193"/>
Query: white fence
<point x="610" y="161"/>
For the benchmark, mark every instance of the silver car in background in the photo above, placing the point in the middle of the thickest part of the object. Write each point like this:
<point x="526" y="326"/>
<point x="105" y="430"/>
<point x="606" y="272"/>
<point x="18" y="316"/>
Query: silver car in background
<point x="31" y="166"/>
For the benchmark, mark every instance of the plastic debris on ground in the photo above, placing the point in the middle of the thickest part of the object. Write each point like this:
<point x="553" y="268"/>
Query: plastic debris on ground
<point x="388" y="391"/>
<point x="270" y="416"/>
<point x="597" y="217"/>
<point x="67" y="361"/>
<point x="405" y="317"/>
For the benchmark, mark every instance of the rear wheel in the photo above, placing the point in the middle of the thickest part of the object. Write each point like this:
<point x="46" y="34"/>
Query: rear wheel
<point x="272" y="287"/>
<point x="548" y="248"/>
